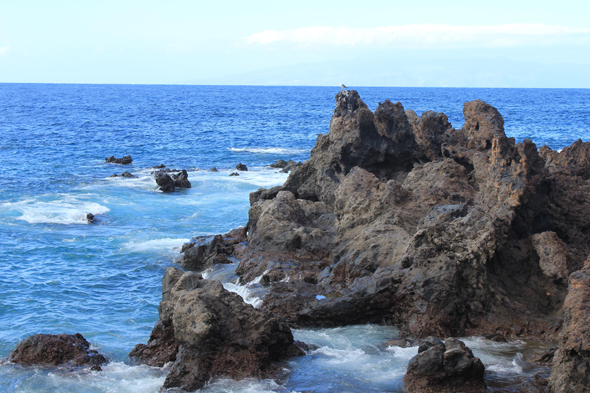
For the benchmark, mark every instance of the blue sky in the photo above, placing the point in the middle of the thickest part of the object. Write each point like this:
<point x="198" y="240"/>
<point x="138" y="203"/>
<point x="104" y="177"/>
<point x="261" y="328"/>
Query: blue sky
<point x="389" y="43"/>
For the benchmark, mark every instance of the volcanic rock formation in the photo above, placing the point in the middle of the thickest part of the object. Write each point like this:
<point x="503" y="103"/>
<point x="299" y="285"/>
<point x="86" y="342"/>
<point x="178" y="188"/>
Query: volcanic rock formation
<point x="405" y="220"/>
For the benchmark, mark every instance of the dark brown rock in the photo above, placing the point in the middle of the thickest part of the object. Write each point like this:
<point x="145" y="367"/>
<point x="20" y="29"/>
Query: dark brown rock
<point x="209" y="332"/>
<point x="126" y="160"/>
<point x="571" y="364"/>
<point x="56" y="350"/>
<point x="128" y="175"/>
<point x="181" y="179"/>
<point x="164" y="180"/>
<point x="279" y="164"/>
<point x="444" y="367"/>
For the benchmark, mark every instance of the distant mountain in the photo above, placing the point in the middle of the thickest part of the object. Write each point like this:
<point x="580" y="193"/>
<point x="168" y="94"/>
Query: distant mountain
<point x="475" y="72"/>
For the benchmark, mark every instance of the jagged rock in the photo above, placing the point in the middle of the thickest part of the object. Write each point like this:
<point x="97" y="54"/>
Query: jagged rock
<point x="234" y="174"/>
<point x="126" y="160"/>
<point x="571" y="364"/>
<point x="199" y="254"/>
<point x="161" y="348"/>
<point x="407" y="220"/>
<point x="128" y="175"/>
<point x="241" y="167"/>
<point x="181" y="180"/>
<point x="164" y="180"/>
<point x="64" y="350"/>
<point x="213" y="169"/>
<point x="161" y="166"/>
<point x="90" y="218"/>
<point x="444" y="367"/>
<point x="215" y="333"/>
<point x="552" y="253"/>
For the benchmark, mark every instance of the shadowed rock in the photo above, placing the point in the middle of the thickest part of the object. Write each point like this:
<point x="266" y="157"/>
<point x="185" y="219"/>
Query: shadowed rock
<point x="241" y="167"/>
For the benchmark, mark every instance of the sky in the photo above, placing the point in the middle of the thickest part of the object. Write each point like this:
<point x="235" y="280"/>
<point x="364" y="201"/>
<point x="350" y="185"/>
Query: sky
<point x="373" y="43"/>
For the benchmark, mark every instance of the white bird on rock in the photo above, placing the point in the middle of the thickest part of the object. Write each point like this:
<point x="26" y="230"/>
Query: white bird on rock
<point x="343" y="86"/>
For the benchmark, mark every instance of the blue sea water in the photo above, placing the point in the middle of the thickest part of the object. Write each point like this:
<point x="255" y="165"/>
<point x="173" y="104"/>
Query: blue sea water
<point x="59" y="274"/>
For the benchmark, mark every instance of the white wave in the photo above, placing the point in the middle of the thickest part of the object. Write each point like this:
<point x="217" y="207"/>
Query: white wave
<point x="267" y="150"/>
<point x="248" y="385"/>
<point x="144" y="181"/>
<point x="64" y="212"/>
<point x="403" y="353"/>
<point x="341" y="357"/>
<point x="164" y="244"/>
<point x="244" y="292"/>
<point x="508" y="368"/>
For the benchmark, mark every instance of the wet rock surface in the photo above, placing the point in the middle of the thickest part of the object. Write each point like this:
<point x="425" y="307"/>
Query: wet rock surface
<point x="241" y="167"/>
<point x="571" y="364"/>
<point x="169" y="182"/>
<point x="126" y="160"/>
<point x="208" y="331"/>
<point x="444" y="367"/>
<point x="70" y="351"/>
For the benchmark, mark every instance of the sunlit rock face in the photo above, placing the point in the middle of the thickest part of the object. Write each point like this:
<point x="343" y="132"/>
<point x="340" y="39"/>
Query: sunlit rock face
<point x="403" y="219"/>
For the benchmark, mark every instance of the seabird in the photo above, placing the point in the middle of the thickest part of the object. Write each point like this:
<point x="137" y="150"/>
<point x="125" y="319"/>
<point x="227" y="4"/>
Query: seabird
<point x="343" y="86"/>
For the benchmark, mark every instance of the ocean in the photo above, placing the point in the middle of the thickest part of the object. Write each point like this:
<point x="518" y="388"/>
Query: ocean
<point x="59" y="274"/>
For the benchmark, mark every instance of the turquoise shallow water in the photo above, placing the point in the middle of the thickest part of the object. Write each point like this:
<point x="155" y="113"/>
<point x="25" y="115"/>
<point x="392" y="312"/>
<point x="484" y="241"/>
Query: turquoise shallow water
<point x="61" y="275"/>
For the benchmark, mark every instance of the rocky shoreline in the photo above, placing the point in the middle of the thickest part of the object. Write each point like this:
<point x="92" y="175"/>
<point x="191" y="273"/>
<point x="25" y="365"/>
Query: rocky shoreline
<point x="404" y="220"/>
<point x="401" y="220"/>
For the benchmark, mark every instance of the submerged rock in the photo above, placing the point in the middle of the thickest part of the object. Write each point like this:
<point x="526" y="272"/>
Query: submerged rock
<point x="126" y="160"/>
<point x="212" y="332"/>
<point x="234" y="174"/>
<point x="56" y="350"/>
<point x="213" y="169"/>
<point x="444" y="367"/>
<point x="128" y="175"/>
<point x="90" y="218"/>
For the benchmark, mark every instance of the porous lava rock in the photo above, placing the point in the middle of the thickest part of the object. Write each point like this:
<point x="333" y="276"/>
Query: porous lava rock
<point x="571" y="364"/>
<point x="444" y="367"/>
<point x="403" y="219"/>
<point x="70" y="351"/>
<point x="279" y="164"/>
<point x="208" y="331"/>
<point x="126" y="160"/>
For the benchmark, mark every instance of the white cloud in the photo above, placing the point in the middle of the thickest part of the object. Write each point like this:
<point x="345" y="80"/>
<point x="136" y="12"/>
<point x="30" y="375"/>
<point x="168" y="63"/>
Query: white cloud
<point x="440" y="35"/>
<point x="4" y="50"/>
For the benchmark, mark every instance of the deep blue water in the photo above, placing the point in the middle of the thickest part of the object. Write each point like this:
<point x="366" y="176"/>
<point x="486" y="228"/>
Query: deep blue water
<point x="60" y="275"/>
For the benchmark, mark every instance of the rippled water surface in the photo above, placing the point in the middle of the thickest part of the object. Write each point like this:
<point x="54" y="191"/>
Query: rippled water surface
<point x="60" y="275"/>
